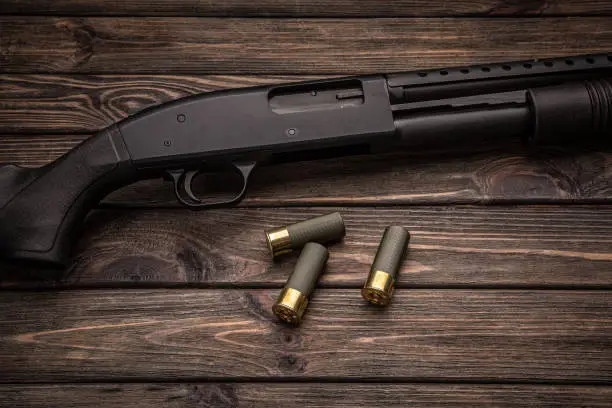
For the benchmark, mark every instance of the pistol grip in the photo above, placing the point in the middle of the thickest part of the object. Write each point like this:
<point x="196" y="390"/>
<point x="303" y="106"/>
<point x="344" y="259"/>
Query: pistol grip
<point x="41" y="209"/>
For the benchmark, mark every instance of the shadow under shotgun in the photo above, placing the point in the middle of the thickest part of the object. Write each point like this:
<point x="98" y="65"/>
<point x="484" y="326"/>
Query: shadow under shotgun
<point x="545" y="102"/>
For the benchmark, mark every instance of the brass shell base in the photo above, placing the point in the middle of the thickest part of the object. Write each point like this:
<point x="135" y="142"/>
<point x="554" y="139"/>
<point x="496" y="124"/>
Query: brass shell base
<point x="290" y="306"/>
<point x="279" y="242"/>
<point x="378" y="289"/>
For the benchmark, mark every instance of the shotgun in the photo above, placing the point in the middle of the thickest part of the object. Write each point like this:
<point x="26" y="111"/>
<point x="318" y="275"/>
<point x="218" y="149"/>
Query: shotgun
<point x="544" y="102"/>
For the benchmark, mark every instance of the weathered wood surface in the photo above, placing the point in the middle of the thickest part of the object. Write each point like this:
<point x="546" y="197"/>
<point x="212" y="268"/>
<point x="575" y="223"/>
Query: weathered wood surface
<point x="218" y="334"/>
<point x="36" y="150"/>
<point x="318" y="8"/>
<point x="285" y="46"/>
<point x="313" y="395"/>
<point x="471" y="305"/>
<point x="500" y="172"/>
<point x="518" y="247"/>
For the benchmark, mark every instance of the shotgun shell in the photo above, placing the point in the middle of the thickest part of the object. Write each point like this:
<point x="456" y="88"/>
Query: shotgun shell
<point x="323" y="229"/>
<point x="381" y="281"/>
<point x="293" y="299"/>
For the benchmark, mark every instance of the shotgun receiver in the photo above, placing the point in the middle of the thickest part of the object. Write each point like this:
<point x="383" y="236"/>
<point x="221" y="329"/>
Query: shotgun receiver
<point x="546" y="102"/>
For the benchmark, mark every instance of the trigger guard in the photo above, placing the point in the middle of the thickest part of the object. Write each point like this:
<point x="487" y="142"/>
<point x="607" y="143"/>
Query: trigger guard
<point x="183" y="187"/>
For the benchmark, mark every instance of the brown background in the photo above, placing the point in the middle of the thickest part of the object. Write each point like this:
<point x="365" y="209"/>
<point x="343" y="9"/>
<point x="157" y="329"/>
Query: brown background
<point x="504" y="298"/>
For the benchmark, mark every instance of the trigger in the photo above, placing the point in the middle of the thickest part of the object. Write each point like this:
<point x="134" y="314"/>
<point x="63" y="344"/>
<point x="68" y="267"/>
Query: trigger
<point x="186" y="185"/>
<point x="182" y="187"/>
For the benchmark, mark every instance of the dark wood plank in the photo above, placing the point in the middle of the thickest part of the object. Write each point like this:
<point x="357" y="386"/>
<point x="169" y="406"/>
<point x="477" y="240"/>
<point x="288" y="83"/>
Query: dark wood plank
<point x="212" y="334"/>
<point x="36" y="151"/>
<point x="302" y="8"/>
<point x="341" y="395"/>
<point x="88" y="103"/>
<point x="501" y="172"/>
<point x="287" y="46"/>
<point x="523" y="247"/>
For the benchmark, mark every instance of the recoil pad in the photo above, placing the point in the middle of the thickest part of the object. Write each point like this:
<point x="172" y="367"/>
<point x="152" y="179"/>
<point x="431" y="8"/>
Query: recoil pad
<point x="571" y="112"/>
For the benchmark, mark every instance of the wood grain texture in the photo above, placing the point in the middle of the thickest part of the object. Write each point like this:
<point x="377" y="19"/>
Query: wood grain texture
<point x="313" y="395"/>
<point x="285" y="46"/>
<point x="519" y="247"/>
<point x="215" y="334"/>
<point x="36" y="151"/>
<point x="308" y="8"/>
<point x="88" y="103"/>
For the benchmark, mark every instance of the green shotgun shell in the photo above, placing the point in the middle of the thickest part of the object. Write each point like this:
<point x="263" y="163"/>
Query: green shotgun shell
<point x="381" y="280"/>
<point x="323" y="229"/>
<point x="293" y="299"/>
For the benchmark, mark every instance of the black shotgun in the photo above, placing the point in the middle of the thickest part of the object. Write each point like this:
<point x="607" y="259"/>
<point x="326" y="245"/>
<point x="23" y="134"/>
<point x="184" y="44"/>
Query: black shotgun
<point x="543" y="101"/>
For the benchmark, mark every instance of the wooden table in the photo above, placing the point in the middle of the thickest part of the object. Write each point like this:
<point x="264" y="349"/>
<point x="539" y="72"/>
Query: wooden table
<point x="503" y="301"/>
